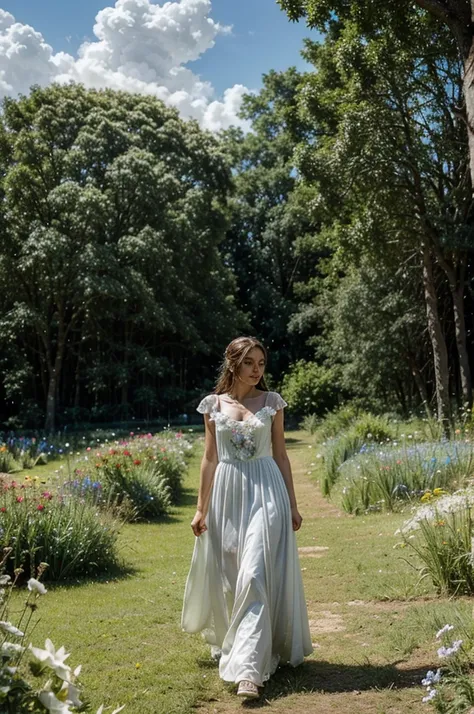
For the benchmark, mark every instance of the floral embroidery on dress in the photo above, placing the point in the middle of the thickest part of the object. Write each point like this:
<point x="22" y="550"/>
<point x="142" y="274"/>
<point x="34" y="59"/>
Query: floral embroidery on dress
<point x="242" y="437"/>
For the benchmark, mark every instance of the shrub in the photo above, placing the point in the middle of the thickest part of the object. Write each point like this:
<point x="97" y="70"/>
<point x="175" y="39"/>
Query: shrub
<point x="144" y="473"/>
<point x="441" y="534"/>
<point x="142" y="485"/>
<point x="338" y="421"/>
<point x="310" y="388"/>
<point x="72" y="535"/>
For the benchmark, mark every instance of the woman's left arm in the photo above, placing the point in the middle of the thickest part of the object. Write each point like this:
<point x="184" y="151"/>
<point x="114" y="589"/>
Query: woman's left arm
<point x="281" y="457"/>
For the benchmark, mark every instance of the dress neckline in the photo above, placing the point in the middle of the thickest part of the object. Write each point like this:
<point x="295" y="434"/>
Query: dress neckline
<point x="253" y="415"/>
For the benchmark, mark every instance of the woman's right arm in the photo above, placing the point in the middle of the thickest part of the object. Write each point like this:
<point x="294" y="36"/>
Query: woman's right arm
<point x="208" y="469"/>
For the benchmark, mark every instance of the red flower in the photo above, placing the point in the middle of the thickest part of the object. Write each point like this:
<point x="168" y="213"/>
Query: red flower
<point x="40" y="507"/>
<point x="47" y="495"/>
<point x="3" y="509"/>
<point x="126" y="453"/>
<point x="137" y="462"/>
<point x="19" y="499"/>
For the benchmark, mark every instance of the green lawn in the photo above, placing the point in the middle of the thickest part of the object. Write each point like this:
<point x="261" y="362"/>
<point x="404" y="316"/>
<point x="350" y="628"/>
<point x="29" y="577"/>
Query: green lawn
<point x="372" y="621"/>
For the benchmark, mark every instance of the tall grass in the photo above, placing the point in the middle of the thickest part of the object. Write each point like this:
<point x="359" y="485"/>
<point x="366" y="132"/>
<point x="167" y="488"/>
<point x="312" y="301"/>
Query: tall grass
<point x="383" y="478"/>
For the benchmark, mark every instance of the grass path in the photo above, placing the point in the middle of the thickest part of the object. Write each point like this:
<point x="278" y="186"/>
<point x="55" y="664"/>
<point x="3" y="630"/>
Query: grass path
<point x="372" y="625"/>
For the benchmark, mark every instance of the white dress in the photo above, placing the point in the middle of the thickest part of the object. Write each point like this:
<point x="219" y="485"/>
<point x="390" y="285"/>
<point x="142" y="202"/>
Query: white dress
<point x="244" y="591"/>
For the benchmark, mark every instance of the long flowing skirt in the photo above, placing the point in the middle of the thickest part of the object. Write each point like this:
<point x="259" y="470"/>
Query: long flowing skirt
<point x="244" y="590"/>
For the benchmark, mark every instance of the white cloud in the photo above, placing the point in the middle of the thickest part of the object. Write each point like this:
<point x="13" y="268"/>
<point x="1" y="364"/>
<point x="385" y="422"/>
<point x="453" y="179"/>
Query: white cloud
<point x="139" y="47"/>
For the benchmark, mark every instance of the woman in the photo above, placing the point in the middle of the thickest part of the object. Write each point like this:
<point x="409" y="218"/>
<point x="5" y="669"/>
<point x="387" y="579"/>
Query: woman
<point x="244" y="590"/>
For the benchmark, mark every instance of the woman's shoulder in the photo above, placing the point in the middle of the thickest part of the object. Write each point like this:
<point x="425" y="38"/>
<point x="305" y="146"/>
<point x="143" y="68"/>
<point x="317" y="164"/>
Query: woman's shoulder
<point x="275" y="401"/>
<point x="208" y="404"/>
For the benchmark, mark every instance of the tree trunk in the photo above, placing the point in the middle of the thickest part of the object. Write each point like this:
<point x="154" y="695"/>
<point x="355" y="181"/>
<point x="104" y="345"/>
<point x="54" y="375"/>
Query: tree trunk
<point x="54" y="376"/>
<point x="438" y="343"/>
<point x="456" y="274"/>
<point x="421" y="386"/>
<point x="468" y="89"/>
<point x="461" y="343"/>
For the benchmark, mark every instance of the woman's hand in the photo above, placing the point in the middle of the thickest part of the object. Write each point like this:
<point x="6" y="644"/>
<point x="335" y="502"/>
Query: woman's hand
<point x="296" y="518"/>
<point x="197" y="524"/>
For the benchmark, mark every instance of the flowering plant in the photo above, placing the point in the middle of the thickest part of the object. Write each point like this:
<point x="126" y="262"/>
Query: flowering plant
<point x="56" y="686"/>
<point x="451" y="688"/>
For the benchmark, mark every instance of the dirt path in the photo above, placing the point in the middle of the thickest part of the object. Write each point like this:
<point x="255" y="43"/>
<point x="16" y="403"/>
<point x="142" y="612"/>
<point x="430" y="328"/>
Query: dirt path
<point x="333" y="679"/>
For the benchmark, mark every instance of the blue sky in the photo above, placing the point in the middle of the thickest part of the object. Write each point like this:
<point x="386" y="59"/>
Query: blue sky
<point x="262" y="37"/>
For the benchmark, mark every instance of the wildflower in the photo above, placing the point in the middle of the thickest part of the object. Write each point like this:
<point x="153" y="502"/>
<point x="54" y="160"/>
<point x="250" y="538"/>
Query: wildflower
<point x="54" y="705"/>
<point x="19" y="499"/>
<point x="11" y="629"/>
<point x="10" y="649"/>
<point x="431" y="695"/>
<point x="53" y="658"/>
<point x="40" y="507"/>
<point x="137" y="462"/>
<point x="448" y="651"/>
<point x="3" y="509"/>
<point x="431" y="678"/>
<point x="446" y="628"/>
<point x="35" y="586"/>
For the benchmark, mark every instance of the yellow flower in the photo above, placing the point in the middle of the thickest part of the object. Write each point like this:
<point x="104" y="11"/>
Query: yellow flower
<point x="439" y="492"/>
<point x="426" y="497"/>
<point x="138" y="665"/>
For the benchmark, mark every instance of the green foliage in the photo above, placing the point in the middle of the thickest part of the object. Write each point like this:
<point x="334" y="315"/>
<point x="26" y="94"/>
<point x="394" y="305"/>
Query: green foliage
<point x="143" y="486"/>
<point x="113" y="210"/>
<point x="443" y="544"/>
<point x="260" y="245"/>
<point x="338" y="420"/>
<point x="310" y="388"/>
<point x="68" y="533"/>
<point x="363" y="429"/>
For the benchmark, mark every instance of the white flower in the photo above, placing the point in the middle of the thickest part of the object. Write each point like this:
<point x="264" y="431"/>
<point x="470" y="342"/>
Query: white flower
<point x="431" y="678"/>
<point x="4" y="579"/>
<point x="10" y="649"/>
<point x="72" y="696"/>
<point x="11" y="629"/>
<point x="446" y="628"/>
<point x="448" y="651"/>
<point x="53" y="704"/>
<point x="53" y="658"/>
<point x="36" y="586"/>
<point x="431" y="695"/>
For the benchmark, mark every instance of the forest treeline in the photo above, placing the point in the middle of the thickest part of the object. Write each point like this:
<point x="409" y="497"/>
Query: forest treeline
<point x="135" y="246"/>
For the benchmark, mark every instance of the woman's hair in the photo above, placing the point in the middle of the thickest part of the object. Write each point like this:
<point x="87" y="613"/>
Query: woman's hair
<point x="234" y="355"/>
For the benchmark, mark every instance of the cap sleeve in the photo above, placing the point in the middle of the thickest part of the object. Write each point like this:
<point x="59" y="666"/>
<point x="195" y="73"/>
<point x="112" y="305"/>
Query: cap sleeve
<point x="275" y="401"/>
<point x="208" y="404"/>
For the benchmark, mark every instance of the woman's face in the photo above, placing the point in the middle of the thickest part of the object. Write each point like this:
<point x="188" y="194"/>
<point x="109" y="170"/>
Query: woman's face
<point x="252" y="368"/>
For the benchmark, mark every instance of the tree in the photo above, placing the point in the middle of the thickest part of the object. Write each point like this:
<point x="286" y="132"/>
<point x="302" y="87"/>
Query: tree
<point x="265" y="222"/>
<point x="394" y="148"/>
<point x="457" y="15"/>
<point x="113" y="212"/>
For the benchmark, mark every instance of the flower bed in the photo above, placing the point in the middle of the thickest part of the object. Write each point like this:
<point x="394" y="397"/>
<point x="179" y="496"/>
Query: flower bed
<point x="385" y="477"/>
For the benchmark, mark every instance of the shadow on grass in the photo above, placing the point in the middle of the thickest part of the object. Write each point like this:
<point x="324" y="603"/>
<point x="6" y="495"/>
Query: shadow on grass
<point x="328" y="678"/>
<point x="121" y="571"/>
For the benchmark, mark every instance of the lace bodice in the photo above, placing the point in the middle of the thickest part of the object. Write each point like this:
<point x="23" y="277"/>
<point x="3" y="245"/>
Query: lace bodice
<point x="247" y="439"/>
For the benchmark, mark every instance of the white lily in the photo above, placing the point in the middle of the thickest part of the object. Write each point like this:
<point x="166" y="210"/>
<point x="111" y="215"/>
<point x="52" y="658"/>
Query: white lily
<point x="53" y="704"/>
<point x="37" y="587"/>
<point x="72" y="695"/>
<point x="53" y="658"/>
<point x="11" y="629"/>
